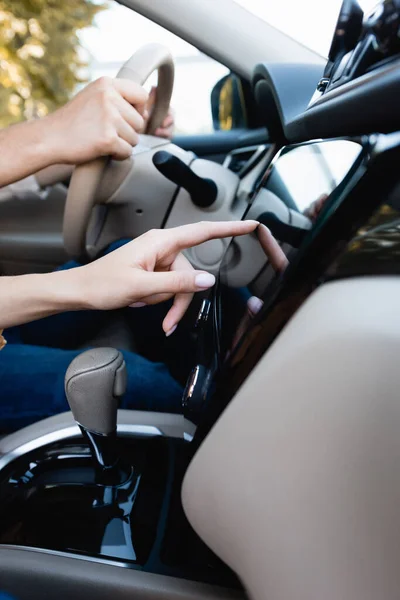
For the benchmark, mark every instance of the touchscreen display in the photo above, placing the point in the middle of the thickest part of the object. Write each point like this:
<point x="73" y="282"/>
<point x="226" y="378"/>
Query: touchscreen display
<point x="289" y="198"/>
<point x="287" y="201"/>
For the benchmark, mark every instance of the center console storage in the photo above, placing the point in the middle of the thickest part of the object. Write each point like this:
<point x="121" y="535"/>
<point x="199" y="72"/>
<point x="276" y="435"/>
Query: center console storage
<point x="49" y="499"/>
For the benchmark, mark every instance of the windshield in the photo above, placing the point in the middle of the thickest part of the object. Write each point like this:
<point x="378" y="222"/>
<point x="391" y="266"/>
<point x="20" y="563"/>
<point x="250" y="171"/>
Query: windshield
<point x="310" y="22"/>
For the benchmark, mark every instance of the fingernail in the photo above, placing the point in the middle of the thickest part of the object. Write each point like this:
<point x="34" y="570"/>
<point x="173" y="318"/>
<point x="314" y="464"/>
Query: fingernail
<point x="254" y="305"/>
<point x="171" y="331"/>
<point x="137" y="304"/>
<point x="204" y="280"/>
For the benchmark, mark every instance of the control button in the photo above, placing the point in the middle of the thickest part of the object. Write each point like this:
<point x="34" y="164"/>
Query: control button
<point x="204" y="313"/>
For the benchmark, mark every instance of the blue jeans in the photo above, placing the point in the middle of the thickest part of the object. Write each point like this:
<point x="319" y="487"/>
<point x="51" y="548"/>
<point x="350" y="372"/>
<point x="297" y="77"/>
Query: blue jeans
<point x="34" y="361"/>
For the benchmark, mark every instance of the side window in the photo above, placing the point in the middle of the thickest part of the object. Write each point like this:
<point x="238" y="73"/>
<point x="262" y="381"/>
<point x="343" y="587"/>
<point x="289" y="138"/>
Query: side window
<point x="48" y="50"/>
<point x="118" y="32"/>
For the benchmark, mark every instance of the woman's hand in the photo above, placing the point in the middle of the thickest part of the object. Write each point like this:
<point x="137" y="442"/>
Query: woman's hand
<point x="152" y="269"/>
<point x="278" y="261"/>
<point x="148" y="270"/>
<point x="273" y="251"/>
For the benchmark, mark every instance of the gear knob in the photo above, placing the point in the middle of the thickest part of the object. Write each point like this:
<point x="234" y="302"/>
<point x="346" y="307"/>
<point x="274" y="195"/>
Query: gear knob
<point x="93" y="382"/>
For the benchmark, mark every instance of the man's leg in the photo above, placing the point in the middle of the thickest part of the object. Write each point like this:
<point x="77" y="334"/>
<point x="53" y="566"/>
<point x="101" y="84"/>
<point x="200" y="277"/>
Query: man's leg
<point x="32" y="385"/>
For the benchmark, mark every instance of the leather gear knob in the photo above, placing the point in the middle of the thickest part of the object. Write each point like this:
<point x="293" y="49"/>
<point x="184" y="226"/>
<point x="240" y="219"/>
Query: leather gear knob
<point x="93" y="383"/>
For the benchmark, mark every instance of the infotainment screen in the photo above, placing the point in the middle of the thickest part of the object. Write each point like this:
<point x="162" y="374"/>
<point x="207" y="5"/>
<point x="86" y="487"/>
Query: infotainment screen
<point x="290" y="197"/>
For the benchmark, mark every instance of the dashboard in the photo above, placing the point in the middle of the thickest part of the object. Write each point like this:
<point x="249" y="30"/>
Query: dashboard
<point x="351" y="117"/>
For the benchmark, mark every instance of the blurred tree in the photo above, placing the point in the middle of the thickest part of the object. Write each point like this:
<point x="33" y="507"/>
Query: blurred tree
<point x="41" y="60"/>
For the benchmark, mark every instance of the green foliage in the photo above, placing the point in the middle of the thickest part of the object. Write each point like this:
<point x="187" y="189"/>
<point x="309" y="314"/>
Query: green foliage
<point x="41" y="60"/>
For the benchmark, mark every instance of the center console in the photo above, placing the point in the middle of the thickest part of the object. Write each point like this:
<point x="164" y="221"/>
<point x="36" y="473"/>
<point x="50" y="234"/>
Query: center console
<point x="113" y="499"/>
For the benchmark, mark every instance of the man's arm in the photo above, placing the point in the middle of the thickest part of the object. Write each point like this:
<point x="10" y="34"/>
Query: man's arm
<point x="53" y="174"/>
<point x="102" y="120"/>
<point x="24" y="149"/>
<point x="29" y="146"/>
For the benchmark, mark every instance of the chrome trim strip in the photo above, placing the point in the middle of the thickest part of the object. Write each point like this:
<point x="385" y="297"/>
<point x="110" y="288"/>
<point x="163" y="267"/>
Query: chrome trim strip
<point x="73" y="431"/>
<point x="95" y="559"/>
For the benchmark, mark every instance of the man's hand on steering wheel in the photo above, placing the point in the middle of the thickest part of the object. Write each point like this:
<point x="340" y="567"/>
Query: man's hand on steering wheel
<point x="166" y="129"/>
<point x="102" y="120"/>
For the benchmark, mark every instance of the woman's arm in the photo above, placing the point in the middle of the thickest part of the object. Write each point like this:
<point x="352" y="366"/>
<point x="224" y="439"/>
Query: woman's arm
<point x="25" y="298"/>
<point x="148" y="270"/>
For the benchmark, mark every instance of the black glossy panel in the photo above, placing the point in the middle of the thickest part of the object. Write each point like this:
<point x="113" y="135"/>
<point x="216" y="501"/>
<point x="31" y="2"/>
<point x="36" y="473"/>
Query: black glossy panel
<point x="366" y="105"/>
<point x="51" y="499"/>
<point x="283" y="91"/>
<point x="221" y="142"/>
<point x="357" y="233"/>
<point x="300" y="174"/>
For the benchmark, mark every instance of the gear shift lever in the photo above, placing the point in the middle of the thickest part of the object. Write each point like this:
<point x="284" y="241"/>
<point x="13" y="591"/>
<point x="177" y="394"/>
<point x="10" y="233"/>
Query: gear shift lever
<point x="93" y="382"/>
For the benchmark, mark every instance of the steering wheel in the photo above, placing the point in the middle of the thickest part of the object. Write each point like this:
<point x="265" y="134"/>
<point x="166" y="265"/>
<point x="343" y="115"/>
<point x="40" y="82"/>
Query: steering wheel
<point x="86" y="178"/>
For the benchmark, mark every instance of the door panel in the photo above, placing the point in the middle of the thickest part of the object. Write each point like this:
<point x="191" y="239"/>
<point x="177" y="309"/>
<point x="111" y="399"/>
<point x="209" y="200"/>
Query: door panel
<point x="31" y="233"/>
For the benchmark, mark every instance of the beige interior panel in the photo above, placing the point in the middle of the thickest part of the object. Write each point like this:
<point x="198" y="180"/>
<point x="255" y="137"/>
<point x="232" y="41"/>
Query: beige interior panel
<point x="226" y="31"/>
<point x="297" y="487"/>
<point x="30" y="231"/>
<point x="208" y="255"/>
<point x="142" y="199"/>
<point x="35" y="575"/>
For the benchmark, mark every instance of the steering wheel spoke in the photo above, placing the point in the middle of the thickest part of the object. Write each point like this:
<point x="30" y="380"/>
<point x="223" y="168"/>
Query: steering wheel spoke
<point x="83" y="189"/>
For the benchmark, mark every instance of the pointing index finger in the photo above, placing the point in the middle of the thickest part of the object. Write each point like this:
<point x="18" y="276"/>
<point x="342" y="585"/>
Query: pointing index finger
<point x="194" y="234"/>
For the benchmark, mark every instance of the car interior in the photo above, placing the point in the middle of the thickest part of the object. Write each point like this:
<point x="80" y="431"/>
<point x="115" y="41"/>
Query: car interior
<point x="279" y="479"/>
